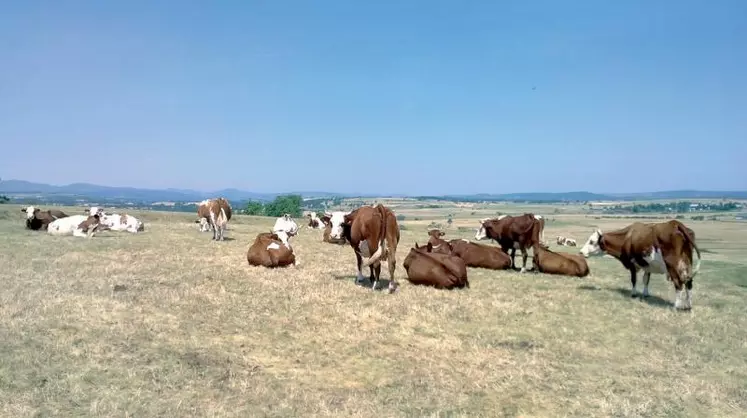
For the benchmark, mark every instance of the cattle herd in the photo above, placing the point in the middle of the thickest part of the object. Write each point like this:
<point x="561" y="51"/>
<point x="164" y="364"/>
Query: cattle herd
<point x="373" y="233"/>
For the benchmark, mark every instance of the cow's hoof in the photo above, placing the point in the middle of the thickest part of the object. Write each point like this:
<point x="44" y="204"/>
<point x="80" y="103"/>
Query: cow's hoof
<point x="523" y="270"/>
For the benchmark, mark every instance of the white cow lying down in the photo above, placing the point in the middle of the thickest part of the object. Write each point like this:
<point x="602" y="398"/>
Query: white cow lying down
<point x="75" y="225"/>
<point x="117" y="222"/>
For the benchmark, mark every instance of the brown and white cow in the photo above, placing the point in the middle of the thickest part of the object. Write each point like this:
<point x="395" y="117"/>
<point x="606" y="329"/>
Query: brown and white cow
<point x="473" y="254"/>
<point x="658" y="248"/>
<point x="218" y="213"/>
<point x="314" y="221"/>
<point x="268" y="250"/>
<point x="442" y="271"/>
<point x="327" y="236"/>
<point x="551" y="262"/>
<point x="568" y="242"/>
<point x="37" y="219"/>
<point x="373" y="233"/>
<point x="513" y="232"/>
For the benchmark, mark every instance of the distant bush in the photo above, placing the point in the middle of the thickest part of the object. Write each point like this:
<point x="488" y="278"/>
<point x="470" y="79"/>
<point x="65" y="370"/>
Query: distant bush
<point x="697" y="218"/>
<point x="290" y="204"/>
<point x="401" y="217"/>
<point x="4" y="199"/>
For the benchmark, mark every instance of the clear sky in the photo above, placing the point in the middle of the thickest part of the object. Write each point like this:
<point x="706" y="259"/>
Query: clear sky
<point x="424" y="97"/>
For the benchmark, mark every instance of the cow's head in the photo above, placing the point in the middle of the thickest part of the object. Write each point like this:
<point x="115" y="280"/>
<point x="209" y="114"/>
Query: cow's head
<point x="337" y="220"/>
<point x="436" y="233"/>
<point x="30" y="212"/>
<point x="593" y="245"/>
<point x="94" y="210"/>
<point x="482" y="231"/>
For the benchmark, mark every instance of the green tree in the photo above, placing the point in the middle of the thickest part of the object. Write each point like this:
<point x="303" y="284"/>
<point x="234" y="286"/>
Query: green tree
<point x="290" y="204"/>
<point x="4" y="199"/>
<point x="255" y="208"/>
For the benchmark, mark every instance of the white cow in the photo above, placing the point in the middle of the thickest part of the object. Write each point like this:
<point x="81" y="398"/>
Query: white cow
<point x="75" y="225"/>
<point x="117" y="222"/>
<point x="285" y="227"/>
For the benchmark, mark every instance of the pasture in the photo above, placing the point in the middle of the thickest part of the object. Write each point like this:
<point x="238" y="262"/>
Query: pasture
<point x="170" y="323"/>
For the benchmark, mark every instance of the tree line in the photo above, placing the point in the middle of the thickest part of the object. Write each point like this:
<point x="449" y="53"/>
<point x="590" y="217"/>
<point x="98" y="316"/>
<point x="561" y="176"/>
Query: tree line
<point x="290" y="204"/>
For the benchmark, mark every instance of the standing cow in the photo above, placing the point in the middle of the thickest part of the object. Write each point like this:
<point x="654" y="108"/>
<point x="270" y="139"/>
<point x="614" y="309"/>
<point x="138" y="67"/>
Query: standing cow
<point x="217" y="212"/>
<point x="373" y="233"/>
<point x="513" y="232"/>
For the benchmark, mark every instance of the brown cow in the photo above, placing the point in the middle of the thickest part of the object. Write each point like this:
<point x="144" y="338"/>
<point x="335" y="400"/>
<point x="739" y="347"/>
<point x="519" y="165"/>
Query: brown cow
<point x="217" y="212"/>
<point x="37" y="219"/>
<point x="513" y="232"/>
<point x="269" y="251"/>
<point x="442" y="271"/>
<point x="479" y="255"/>
<point x="373" y="233"/>
<point x="659" y="248"/>
<point x="550" y="262"/>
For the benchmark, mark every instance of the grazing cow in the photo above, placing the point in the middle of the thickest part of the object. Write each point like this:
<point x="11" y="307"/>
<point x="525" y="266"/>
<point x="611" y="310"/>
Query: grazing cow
<point x="268" y="250"/>
<point x="37" y="219"/>
<point x="513" y="232"/>
<point x="373" y="233"/>
<point x="442" y="271"/>
<point x="75" y="225"/>
<point x="285" y="227"/>
<point x="327" y="236"/>
<point x="116" y="222"/>
<point x="217" y="212"/>
<point x="550" y="262"/>
<point x="658" y="248"/>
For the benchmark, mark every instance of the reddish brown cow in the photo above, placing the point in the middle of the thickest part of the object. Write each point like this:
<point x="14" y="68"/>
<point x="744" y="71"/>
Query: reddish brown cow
<point x="513" y="232"/>
<point x="660" y="248"/>
<point x="442" y="271"/>
<point x="269" y="251"/>
<point x="479" y="255"/>
<point x="373" y="233"/>
<point x="217" y="212"/>
<point x="550" y="262"/>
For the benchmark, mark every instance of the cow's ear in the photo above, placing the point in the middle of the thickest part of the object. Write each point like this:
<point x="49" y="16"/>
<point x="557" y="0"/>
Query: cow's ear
<point x="416" y="245"/>
<point x="429" y="247"/>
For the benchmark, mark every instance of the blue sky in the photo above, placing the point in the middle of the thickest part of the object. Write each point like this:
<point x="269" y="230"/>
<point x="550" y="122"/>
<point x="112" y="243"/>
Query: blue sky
<point x="425" y="97"/>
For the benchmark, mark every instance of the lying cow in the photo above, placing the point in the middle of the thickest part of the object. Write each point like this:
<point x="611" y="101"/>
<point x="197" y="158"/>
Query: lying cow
<point x="658" y="248"/>
<point x="217" y="213"/>
<point x="75" y="225"/>
<point x="327" y="236"/>
<point x="473" y="254"/>
<point x="513" y="232"/>
<point x="268" y="250"/>
<point x="373" y="233"/>
<point x="37" y="219"/>
<point x="116" y="222"/>
<point x="442" y="271"/>
<point x="314" y="221"/>
<point x="550" y="262"/>
<point x="569" y="242"/>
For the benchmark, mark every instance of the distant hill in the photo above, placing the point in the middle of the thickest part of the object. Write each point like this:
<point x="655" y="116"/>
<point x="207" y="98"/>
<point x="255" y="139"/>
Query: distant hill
<point x="21" y="189"/>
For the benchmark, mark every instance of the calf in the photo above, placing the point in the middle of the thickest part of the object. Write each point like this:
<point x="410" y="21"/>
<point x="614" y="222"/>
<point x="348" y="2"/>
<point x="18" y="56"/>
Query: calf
<point x="285" y="227"/>
<point x="116" y="222"/>
<point x="659" y="248"/>
<point x="442" y="271"/>
<point x="550" y="262"/>
<point x="217" y="212"/>
<point x="37" y="219"/>
<point x="513" y="232"/>
<point x="373" y="233"/>
<point x="268" y="250"/>
<point x="75" y="225"/>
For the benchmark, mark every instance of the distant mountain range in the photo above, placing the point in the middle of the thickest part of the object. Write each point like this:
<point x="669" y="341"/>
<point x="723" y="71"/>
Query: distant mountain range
<point x="21" y="188"/>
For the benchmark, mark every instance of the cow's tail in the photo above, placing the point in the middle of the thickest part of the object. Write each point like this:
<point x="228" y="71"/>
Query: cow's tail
<point x="683" y="230"/>
<point x="382" y="242"/>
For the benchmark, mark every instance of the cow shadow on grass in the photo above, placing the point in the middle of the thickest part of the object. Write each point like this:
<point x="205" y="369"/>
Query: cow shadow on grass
<point x="652" y="300"/>
<point x="383" y="283"/>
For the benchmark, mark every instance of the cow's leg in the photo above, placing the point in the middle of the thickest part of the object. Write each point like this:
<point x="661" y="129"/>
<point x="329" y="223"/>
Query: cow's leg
<point x="392" y="266"/>
<point x="513" y="254"/>
<point x="689" y="297"/>
<point x="375" y="274"/>
<point x="524" y="256"/>
<point x="646" y="279"/>
<point x="359" y="260"/>
<point x="633" y="273"/>
<point x="678" y="288"/>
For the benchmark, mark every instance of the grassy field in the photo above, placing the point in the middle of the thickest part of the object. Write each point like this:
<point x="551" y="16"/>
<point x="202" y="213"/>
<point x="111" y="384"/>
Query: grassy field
<point x="169" y="323"/>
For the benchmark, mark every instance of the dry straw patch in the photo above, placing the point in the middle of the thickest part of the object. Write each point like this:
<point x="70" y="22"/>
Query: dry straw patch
<point x="169" y="323"/>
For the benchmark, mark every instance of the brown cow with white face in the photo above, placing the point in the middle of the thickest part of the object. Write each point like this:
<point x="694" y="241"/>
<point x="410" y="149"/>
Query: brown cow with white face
<point x="660" y="248"/>
<point x="268" y="250"/>
<point x="442" y="271"/>
<point x="513" y="232"/>
<point x="327" y="235"/>
<point x="373" y="233"/>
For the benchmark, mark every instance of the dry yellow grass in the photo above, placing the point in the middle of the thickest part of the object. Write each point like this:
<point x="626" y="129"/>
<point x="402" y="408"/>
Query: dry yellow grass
<point x="169" y="323"/>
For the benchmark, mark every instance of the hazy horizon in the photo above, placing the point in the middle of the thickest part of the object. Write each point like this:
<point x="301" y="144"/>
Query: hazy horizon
<point x="377" y="98"/>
